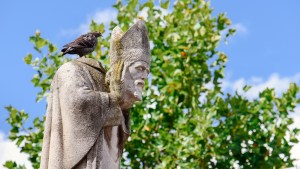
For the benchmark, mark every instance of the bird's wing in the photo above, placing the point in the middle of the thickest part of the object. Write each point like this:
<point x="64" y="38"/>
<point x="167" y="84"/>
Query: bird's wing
<point x="84" y="41"/>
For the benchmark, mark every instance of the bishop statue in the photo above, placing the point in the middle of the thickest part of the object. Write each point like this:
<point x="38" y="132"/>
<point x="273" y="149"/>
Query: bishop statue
<point x="88" y="113"/>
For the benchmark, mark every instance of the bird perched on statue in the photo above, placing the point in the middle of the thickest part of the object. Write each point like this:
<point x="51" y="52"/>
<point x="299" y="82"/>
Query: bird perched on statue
<point x="83" y="45"/>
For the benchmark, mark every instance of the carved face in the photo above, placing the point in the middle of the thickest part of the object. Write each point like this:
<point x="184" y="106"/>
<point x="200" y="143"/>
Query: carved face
<point x="139" y="71"/>
<point x="134" y="80"/>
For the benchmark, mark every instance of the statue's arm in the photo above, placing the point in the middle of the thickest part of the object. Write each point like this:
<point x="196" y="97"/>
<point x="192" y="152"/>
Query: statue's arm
<point x="76" y="93"/>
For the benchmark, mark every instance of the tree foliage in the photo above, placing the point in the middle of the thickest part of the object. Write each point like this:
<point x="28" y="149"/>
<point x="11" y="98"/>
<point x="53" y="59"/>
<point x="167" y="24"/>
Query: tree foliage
<point x="172" y="127"/>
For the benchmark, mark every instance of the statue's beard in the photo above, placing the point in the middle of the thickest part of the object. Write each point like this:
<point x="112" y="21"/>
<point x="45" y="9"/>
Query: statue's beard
<point x="139" y="85"/>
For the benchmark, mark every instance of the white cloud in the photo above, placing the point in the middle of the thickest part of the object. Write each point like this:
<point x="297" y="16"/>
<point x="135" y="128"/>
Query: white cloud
<point x="280" y="84"/>
<point x="103" y="16"/>
<point x="9" y="151"/>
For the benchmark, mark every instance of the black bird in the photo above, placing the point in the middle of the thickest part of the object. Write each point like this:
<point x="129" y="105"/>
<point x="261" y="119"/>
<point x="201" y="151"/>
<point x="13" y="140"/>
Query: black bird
<point x="83" y="45"/>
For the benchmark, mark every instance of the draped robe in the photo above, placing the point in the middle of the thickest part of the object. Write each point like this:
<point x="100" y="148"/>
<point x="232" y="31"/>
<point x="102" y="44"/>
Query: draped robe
<point x="84" y="128"/>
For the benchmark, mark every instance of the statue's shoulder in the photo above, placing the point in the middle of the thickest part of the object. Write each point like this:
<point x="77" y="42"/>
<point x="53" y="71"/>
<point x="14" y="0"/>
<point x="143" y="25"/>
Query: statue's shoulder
<point x="63" y="71"/>
<point x="68" y="69"/>
<point x="71" y="65"/>
<point x="91" y="63"/>
<point x="78" y="65"/>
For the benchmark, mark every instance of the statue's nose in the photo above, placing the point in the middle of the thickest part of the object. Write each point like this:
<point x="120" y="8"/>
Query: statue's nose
<point x="144" y="75"/>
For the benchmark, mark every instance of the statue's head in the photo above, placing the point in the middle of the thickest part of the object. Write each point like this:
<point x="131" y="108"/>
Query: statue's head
<point x="134" y="49"/>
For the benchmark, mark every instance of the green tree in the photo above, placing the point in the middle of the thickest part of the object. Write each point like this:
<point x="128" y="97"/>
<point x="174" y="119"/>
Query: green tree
<point x="172" y="128"/>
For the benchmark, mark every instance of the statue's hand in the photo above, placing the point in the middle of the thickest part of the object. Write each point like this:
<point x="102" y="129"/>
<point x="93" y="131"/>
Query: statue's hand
<point x="115" y="82"/>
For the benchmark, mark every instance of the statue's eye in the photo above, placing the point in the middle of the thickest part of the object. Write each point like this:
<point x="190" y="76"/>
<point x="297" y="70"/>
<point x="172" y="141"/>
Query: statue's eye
<point x="139" y="68"/>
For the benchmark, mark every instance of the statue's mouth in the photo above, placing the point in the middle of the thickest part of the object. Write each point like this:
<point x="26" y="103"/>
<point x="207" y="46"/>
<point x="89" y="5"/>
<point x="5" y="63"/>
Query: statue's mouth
<point x="139" y="83"/>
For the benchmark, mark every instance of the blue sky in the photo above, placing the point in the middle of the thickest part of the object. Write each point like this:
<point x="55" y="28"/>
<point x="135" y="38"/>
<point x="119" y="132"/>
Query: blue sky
<point x="264" y="52"/>
<point x="268" y="41"/>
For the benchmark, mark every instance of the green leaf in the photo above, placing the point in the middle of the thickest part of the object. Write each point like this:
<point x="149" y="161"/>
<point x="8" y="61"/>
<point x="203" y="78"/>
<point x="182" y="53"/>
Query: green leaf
<point x="52" y="48"/>
<point x="246" y="88"/>
<point x="10" y="164"/>
<point x="165" y="5"/>
<point x="27" y="59"/>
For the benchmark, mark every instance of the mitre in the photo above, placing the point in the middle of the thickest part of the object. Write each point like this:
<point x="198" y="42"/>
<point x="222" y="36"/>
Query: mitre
<point x="130" y="46"/>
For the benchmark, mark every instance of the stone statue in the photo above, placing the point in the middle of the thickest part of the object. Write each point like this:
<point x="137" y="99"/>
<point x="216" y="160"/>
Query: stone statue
<point x="87" y="120"/>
